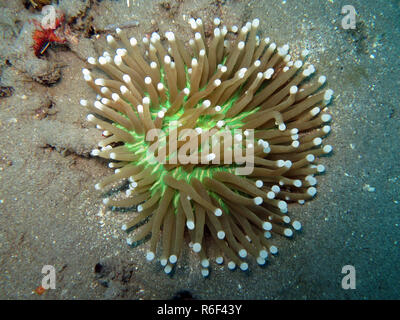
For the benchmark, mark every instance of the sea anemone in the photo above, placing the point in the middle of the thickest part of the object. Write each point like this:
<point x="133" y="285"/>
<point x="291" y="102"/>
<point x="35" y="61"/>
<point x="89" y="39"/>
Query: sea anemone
<point x="233" y="85"/>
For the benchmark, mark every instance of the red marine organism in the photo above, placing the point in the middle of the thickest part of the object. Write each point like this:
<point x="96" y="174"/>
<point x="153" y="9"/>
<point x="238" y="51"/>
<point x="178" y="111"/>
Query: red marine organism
<point x="42" y="37"/>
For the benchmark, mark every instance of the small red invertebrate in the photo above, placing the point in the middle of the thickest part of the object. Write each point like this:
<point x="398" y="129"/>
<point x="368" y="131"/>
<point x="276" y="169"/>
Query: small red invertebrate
<point x="42" y="37"/>
<point x="40" y="290"/>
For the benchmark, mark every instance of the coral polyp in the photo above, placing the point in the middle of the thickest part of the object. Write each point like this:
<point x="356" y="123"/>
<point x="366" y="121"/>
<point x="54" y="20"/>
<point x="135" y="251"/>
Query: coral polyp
<point x="215" y="138"/>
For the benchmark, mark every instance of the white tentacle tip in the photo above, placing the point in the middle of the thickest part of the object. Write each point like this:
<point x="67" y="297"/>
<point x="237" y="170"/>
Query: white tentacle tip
<point x="205" y="263"/>
<point x="273" y="249"/>
<point x="168" y="269"/>
<point x="90" y="117"/>
<point x="173" y="258"/>
<point x="312" y="191"/>
<point x="219" y="260"/>
<point x="328" y="95"/>
<point x="258" y="201"/>
<point x="288" y="232"/>
<point x="95" y="152"/>
<point x="305" y="53"/>
<point x="327" y="149"/>
<point x="163" y="262"/>
<point x="326" y="117"/>
<point x="190" y="225"/>
<point x="261" y="261"/>
<point x="263" y="254"/>
<point x="267" y="226"/>
<point x="205" y="273"/>
<point x="282" y="205"/>
<point x="244" y="266"/>
<point x="231" y="265"/>
<point x="242" y="253"/>
<point x="110" y="38"/>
